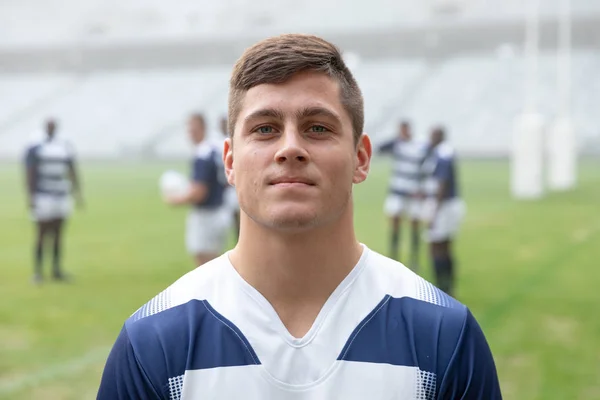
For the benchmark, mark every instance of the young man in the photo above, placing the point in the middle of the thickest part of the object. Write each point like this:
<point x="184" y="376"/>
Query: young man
<point x="299" y="309"/>
<point x="444" y="208"/>
<point x="51" y="178"/>
<point x="404" y="193"/>
<point x="208" y="220"/>
<point x="231" y="200"/>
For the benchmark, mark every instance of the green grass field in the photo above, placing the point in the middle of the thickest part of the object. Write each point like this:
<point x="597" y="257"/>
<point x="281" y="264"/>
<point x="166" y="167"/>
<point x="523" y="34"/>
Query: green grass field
<point x="529" y="271"/>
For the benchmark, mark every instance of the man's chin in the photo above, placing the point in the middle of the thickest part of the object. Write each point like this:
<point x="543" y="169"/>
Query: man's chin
<point x="293" y="220"/>
<point x="296" y="225"/>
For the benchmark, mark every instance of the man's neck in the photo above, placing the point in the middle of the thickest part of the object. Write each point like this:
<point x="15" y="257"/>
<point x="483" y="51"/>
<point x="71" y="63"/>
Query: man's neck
<point x="296" y="273"/>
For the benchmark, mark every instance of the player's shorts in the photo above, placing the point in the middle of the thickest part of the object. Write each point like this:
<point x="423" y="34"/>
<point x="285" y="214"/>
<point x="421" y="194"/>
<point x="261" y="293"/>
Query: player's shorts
<point x="396" y="205"/>
<point x="231" y="200"/>
<point x="207" y="230"/>
<point x="447" y="220"/>
<point x="49" y="207"/>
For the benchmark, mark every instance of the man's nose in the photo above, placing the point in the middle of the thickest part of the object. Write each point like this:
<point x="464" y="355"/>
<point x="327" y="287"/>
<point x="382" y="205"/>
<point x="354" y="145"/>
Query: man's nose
<point x="292" y="147"/>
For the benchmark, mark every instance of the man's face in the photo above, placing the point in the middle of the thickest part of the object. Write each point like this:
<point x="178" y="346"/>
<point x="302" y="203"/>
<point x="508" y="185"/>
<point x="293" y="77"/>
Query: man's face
<point x="293" y="159"/>
<point x="405" y="132"/>
<point x="196" y="130"/>
<point x="437" y="137"/>
<point x="50" y="128"/>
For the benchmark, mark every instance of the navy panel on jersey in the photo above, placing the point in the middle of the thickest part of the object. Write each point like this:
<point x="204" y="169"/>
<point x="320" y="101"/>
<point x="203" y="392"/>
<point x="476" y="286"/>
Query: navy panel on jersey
<point x="50" y="163"/>
<point x="123" y="376"/>
<point x="152" y="349"/>
<point x="471" y="373"/>
<point x="406" y="331"/>
<point x="444" y="341"/>
<point x="30" y="156"/>
<point x="445" y="171"/>
<point x="217" y="341"/>
<point x="207" y="169"/>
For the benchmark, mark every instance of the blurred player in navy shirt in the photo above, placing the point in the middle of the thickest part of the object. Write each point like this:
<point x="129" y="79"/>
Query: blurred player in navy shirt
<point x="208" y="220"/>
<point x="445" y="209"/>
<point x="231" y="200"/>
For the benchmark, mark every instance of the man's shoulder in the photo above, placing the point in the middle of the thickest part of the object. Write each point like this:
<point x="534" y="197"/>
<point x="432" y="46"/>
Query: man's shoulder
<point x="179" y="326"/>
<point x="445" y="152"/>
<point x="189" y="291"/>
<point x="414" y="300"/>
<point x="431" y="331"/>
<point x="414" y="324"/>
<point x="31" y="149"/>
<point x="56" y="148"/>
<point x="404" y="283"/>
<point x="205" y="150"/>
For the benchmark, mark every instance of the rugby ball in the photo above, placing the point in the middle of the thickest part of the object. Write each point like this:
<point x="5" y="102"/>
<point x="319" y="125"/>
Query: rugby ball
<point x="173" y="183"/>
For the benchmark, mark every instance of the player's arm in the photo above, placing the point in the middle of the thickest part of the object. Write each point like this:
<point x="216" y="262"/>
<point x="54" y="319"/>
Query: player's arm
<point x="199" y="185"/>
<point x="421" y="177"/>
<point x="196" y="193"/>
<point x="442" y="175"/>
<point x="386" y="147"/>
<point x="471" y="373"/>
<point x="124" y="377"/>
<point x="30" y="175"/>
<point x="442" y="191"/>
<point x="74" y="176"/>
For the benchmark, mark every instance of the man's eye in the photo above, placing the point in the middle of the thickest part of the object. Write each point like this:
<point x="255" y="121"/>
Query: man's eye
<point x="265" y="129"/>
<point x="318" y="129"/>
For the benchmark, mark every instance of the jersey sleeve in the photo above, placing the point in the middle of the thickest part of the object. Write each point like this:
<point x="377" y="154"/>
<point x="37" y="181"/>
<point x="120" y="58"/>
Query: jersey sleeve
<point x="202" y="169"/>
<point x="471" y="373"/>
<point x="30" y="157"/>
<point x="70" y="149"/>
<point x="443" y="169"/>
<point x="123" y="376"/>
<point x="387" y="147"/>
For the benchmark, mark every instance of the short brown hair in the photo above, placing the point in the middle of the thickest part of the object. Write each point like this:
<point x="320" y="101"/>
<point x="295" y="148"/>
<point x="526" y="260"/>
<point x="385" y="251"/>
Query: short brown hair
<point x="196" y="116"/>
<point x="277" y="59"/>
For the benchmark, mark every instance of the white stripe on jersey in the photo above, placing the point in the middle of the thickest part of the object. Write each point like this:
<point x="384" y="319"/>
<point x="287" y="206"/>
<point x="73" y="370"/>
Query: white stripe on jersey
<point x="408" y="157"/>
<point x="52" y="167"/>
<point x="54" y="186"/>
<point x="346" y="380"/>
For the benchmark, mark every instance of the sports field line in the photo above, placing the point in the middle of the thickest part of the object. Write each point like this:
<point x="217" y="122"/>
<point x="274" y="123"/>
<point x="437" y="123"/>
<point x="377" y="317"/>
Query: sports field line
<point x="53" y="372"/>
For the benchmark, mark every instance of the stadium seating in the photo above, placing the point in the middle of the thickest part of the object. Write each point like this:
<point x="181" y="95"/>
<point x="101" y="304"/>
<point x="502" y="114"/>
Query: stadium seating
<point x="142" y="113"/>
<point x="25" y="22"/>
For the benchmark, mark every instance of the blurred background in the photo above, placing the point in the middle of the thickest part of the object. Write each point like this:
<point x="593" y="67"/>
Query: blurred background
<point x="121" y="78"/>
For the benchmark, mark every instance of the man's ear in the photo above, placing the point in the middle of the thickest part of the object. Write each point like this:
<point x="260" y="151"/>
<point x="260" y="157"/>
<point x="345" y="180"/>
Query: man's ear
<point x="363" y="159"/>
<point x="228" y="160"/>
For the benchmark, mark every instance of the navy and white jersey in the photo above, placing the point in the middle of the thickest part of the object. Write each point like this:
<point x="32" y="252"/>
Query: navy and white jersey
<point x="439" y="166"/>
<point x="384" y="333"/>
<point x="408" y="156"/>
<point x="207" y="169"/>
<point x="51" y="161"/>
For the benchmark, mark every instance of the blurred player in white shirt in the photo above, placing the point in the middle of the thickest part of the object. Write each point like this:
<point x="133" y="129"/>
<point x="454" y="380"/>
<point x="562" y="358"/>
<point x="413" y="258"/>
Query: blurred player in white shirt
<point x="404" y="191"/>
<point x="51" y="179"/>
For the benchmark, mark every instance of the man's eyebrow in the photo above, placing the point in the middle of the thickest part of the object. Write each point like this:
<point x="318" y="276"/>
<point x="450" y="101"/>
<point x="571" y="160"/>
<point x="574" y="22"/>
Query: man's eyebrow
<point x="317" y="111"/>
<point x="265" y="112"/>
